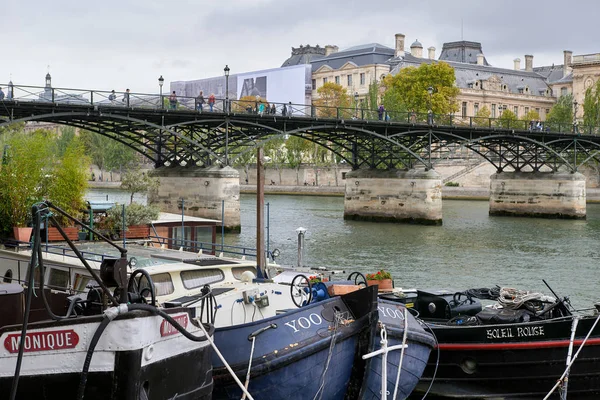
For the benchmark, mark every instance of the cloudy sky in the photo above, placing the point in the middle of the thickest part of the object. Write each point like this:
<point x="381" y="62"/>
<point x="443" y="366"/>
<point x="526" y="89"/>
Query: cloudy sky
<point x="113" y="44"/>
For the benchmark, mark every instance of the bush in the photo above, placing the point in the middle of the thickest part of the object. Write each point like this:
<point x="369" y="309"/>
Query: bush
<point x="453" y="184"/>
<point x="135" y="214"/>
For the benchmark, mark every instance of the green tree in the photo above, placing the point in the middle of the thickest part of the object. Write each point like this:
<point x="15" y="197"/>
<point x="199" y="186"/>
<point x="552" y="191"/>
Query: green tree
<point x="275" y="150"/>
<point x="560" y="117"/>
<point x="245" y="159"/>
<point x="67" y="134"/>
<point x="507" y="120"/>
<point x="591" y="106"/>
<point x="331" y="97"/>
<point x="297" y="148"/>
<point x="135" y="181"/>
<point x="69" y="180"/>
<point x="407" y="90"/>
<point x="482" y="117"/>
<point x="107" y="153"/>
<point x="27" y="162"/>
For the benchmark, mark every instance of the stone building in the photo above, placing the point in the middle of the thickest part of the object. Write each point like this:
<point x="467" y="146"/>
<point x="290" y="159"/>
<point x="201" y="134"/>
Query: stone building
<point x="517" y="89"/>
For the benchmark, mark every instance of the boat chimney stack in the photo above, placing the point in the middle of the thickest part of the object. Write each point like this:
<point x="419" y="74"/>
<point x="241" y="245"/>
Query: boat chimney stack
<point x="300" y="231"/>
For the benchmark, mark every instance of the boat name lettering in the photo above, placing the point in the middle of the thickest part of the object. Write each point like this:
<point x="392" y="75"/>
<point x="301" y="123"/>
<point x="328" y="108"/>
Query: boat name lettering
<point x="528" y="331"/>
<point x="391" y="313"/>
<point x="42" y="341"/>
<point x="166" y="329"/>
<point x="305" y="323"/>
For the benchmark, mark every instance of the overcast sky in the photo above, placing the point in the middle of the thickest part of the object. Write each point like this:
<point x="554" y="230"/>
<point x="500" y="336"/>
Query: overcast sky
<point x="111" y="44"/>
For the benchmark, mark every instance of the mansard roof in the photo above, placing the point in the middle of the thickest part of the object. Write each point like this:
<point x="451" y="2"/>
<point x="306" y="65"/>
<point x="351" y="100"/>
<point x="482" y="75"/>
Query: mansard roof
<point x="372" y="53"/>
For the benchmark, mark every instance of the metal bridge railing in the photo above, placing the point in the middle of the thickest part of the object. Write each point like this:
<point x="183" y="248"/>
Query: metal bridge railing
<point x="15" y="94"/>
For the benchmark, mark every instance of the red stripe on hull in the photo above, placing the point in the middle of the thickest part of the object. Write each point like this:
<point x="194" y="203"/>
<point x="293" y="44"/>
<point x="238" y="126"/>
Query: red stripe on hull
<point x="519" y="345"/>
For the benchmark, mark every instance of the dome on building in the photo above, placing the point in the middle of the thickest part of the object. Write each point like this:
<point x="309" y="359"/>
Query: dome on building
<point x="416" y="44"/>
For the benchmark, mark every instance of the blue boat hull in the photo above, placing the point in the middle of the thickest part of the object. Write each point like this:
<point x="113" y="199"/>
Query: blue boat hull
<point x="289" y="361"/>
<point x="415" y="359"/>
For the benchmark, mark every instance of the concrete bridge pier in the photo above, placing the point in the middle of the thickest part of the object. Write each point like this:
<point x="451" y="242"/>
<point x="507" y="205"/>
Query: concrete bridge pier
<point x="203" y="190"/>
<point x="394" y="196"/>
<point x="538" y="194"/>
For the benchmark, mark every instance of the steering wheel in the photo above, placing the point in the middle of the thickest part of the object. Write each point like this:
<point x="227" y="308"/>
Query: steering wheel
<point x="133" y="286"/>
<point x="356" y="275"/>
<point x="298" y="290"/>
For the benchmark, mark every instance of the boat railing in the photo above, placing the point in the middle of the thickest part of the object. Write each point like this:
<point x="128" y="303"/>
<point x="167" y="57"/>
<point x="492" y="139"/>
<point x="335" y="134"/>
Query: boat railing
<point x="207" y="248"/>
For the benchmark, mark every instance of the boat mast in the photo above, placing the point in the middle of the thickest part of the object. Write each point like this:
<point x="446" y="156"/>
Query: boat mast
<point x="260" y="218"/>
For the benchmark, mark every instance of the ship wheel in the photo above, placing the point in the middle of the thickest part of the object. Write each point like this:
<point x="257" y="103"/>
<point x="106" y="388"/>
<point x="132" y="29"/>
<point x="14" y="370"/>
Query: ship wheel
<point x="301" y="290"/>
<point x="142" y="286"/>
<point x="357" y="281"/>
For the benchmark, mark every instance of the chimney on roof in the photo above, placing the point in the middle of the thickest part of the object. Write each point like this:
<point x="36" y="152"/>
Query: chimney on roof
<point x="517" y="62"/>
<point x="567" y="62"/>
<point x="480" y="59"/>
<point x="431" y="51"/>
<point x="528" y="62"/>
<point x="329" y="49"/>
<point x="399" y="52"/>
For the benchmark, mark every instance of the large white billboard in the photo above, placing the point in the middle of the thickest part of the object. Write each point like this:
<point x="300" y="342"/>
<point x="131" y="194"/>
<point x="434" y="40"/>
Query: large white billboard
<point x="278" y="85"/>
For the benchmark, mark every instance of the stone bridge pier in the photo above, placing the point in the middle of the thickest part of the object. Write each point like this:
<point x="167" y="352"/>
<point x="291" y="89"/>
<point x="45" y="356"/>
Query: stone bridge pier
<point x="538" y="194"/>
<point x="394" y="196"/>
<point x="203" y="190"/>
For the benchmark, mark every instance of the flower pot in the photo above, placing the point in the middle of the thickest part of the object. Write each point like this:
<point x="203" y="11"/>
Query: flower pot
<point x="384" y="284"/>
<point x="22" y="234"/>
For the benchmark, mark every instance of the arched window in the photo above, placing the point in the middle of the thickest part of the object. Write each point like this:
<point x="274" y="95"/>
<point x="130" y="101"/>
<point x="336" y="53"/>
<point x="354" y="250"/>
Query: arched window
<point x="8" y="276"/>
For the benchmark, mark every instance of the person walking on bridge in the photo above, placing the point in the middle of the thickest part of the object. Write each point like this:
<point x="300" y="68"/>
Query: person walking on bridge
<point x="1" y="94"/>
<point x="211" y="101"/>
<point x="200" y="102"/>
<point x="173" y="101"/>
<point x="126" y="98"/>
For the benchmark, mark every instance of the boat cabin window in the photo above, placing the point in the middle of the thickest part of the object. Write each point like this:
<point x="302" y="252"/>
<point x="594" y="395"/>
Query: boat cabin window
<point x="163" y="284"/>
<point x="8" y="276"/>
<point x="201" y="277"/>
<point x="81" y="282"/>
<point x="238" y="271"/>
<point x="58" y="278"/>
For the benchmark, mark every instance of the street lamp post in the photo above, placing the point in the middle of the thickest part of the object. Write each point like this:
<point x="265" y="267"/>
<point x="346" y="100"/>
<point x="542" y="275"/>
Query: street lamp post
<point x="430" y="90"/>
<point x="226" y="69"/>
<point x="575" y="105"/>
<point x="161" y="81"/>
<point x="355" y="104"/>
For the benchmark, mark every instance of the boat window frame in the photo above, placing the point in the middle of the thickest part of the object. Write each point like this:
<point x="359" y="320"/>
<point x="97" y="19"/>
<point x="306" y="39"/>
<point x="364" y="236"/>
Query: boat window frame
<point x="183" y="279"/>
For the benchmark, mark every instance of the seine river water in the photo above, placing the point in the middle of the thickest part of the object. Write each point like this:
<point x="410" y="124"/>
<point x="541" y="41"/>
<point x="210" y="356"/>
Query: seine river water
<point x="471" y="249"/>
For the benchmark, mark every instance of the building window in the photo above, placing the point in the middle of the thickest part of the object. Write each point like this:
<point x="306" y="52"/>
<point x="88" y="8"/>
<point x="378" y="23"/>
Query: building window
<point x="563" y="91"/>
<point x="314" y="84"/>
<point x="493" y="111"/>
<point x="337" y="79"/>
<point x="475" y="108"/>
<point x="349" y="80"/>
<point x="464" y="109"/>
<point x="526" y="110"/>
<point x="547" y="111"/>
<point x="324" y="81"/>
<point x="537" y="110"/>
<point x="363" y="78"/>
<point x="516" y="110"/>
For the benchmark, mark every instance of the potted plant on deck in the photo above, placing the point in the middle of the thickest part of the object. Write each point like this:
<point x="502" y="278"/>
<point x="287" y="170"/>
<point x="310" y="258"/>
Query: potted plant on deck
<point x="381" y="278"/>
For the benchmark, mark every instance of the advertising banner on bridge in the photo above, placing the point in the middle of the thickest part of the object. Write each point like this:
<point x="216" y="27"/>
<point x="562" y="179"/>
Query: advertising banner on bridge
<point x="279" y="85"/>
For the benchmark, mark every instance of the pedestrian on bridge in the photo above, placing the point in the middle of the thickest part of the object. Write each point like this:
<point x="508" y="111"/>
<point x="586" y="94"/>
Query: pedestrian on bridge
<point x="200" y="102"/>
<point x="290" y="109"/>
<point x="380" y="112"/>
<point x="173" y="101"/>
<point x="211" y="101"/>
<point x="284" y="111"/>
<point x="273" y="109"/>
<point x="126" y="98"/>
<point x="1" y="94"/>
<point x="112" y="96"/>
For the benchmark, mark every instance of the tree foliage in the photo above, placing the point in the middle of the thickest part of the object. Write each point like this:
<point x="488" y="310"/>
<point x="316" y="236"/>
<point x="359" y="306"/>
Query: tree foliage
<point x="135" y="214"/>
<point x="331" y="97"/>
<point x="591" y="106"/>
<point x="482" y="117"/>
<point x="508" y="119"/>
<point x="107" y="153"/>
<point x="32" y="170"/>
<point x="562" y="112"/>
<point x="135" y="181"/>
<point x="407" y="90"/>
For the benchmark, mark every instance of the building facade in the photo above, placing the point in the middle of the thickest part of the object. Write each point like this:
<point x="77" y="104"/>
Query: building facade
<point x="518" y="89"/>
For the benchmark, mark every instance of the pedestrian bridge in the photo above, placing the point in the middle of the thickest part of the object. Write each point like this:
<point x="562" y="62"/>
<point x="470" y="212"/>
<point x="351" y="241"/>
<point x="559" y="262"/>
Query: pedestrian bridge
<point x="184" y="134"/>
